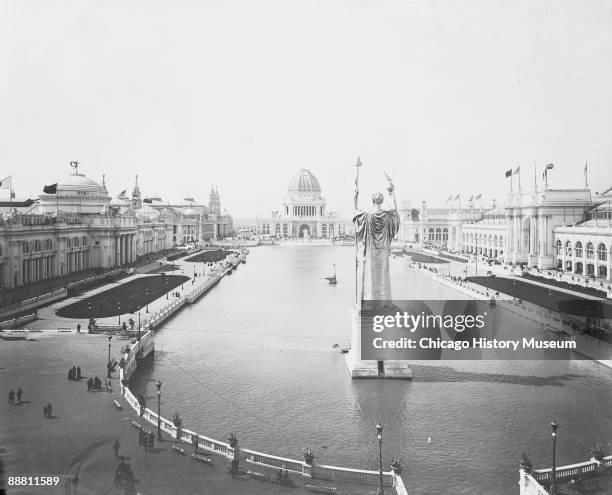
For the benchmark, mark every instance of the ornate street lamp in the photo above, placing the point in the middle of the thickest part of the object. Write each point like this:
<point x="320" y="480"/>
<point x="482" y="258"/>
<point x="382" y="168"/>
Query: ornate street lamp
<point x="553" y="488"/>
<point x="119" y="309"/>
<point x="379" y="430"/>
<point x="108" y="366"/>
<point x="158" y="393"/>
<point x="139" y="323"/>
<point x="147" y="298"/>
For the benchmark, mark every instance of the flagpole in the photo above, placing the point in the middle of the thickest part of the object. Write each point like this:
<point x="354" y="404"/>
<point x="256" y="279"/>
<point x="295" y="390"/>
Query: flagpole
<point x="357" y="165"/>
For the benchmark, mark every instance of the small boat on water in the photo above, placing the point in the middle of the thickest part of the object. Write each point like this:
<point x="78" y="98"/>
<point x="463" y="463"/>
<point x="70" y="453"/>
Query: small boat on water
<point x="332" y="280"/>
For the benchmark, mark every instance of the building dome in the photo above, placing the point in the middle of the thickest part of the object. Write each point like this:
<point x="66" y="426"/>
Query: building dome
<point x="304" y="182"/>
<point x="189" y="212"/>
<point x="79" y="183"/>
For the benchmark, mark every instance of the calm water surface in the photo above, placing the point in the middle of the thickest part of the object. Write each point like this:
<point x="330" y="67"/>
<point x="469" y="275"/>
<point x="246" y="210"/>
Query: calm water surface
<point x="255" y="356"/>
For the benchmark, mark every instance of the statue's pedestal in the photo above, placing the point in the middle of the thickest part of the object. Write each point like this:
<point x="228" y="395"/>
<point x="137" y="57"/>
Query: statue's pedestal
<point x="359" y="368"/>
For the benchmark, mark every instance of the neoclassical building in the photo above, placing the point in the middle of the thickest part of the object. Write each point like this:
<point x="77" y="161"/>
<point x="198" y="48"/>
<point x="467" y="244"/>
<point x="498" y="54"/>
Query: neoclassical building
<point x="546" y="228"/>
<point x="80" y="227"/>
<point x="303" y="213"/>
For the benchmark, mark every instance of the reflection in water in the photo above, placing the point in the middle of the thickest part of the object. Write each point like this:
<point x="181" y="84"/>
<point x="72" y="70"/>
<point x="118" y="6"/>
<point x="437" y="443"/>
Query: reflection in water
<point x="255" y="356"/>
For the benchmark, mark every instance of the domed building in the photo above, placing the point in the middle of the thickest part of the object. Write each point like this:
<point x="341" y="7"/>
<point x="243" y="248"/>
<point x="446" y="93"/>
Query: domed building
<point x="76" y="194"/>
<point x="303" y="213"/>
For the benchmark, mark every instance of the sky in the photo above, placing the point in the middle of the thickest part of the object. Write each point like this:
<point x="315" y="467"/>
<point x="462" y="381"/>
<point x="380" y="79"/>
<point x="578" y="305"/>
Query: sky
<point x="444" y="95"/>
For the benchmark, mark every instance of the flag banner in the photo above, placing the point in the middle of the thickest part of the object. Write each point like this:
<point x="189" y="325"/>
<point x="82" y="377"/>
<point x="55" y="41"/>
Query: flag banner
<point x="517" y="170"/>
<point x="449" y="198"/>
<point x="52" y="189"/>
<point x="5" y="183"/>
<point x="147" y="200"/>
<point x="457" y="197"/>
<point x="471" y="199"/>
<point x="122" y="195"/>
<point x="550" y="166"/>
<point x="508" y="173"/>
<point x="478" y="197"/>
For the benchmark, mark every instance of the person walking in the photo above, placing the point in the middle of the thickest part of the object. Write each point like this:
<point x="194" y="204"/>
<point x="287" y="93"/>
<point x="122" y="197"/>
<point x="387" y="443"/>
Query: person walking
<point x="151" y="440"/>
<point x="45" y="412"/>
<point x="19" y="394"/>
<point x="11" y="397"/>
<point x="140" y="437"/>
<point x="49" y="411"/>
<point x="78" y="328"/>
<point x="116" y="446"/>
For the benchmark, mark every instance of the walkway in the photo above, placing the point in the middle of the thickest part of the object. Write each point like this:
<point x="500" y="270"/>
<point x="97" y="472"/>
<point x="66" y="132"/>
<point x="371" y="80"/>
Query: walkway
<point x="77" y="443"/>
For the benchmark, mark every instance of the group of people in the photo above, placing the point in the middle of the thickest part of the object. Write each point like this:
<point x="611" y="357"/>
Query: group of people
<point x="146" y="439"/>
<point x="12" y="395"/>
<point x="94" y="383"/>
<point x="74" y="373"/>
<point x="48" y="411"/>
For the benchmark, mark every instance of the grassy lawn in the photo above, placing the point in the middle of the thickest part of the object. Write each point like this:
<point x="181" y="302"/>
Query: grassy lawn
<point x="125" y="298"/>
<point x="542" y="296"/>
<point x="425" y="258"/>
<point x="207" y="256"/>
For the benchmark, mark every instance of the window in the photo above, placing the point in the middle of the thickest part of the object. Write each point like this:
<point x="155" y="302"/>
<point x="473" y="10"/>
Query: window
<point x="568" y="248"/>
<point x="25" y="247"/>
<point x="558" y="247"/>
<point x="601" y="252"/>
<point x="578" y="249"/>
<point x="590" y="252"/>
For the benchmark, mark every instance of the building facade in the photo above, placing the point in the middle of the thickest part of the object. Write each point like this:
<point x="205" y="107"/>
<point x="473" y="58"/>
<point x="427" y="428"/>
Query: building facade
<point x="303" y="213"/>
<point x="79" y="227"/>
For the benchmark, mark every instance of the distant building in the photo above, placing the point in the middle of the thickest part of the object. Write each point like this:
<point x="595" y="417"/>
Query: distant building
<point x="569" y="229"/>
<point x="80" y="227"/>
<point x="303" y="212"/>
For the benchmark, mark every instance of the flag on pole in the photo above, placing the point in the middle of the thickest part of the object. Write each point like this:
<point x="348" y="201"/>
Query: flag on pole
<point x="122" y="195"/>
<point x="508" y="173"/>
<point x="550" y="166"/>
<point x="517" y="170"/>
<point x="586" y="175"/>
<point x="449" y="198"/>
<point x="478" y="197"/>
<point x="52" y="189"/>
<point x="457" y="197"/>
<point x="5" y="183"/>
<point x="471" y="199"/>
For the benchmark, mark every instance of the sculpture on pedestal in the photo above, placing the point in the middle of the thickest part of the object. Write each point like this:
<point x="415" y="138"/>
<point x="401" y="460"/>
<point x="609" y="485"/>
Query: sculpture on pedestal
<point x="376" y="230"/>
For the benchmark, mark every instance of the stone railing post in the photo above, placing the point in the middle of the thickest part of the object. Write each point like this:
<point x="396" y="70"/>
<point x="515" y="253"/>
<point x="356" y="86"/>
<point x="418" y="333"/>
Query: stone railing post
<point x="306" y="470"/>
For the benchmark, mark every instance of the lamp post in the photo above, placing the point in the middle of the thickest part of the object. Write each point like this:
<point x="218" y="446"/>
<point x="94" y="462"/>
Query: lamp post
<point x="139" y="323"/>
<point x="182" y="283"/>
<point x="119" y="309"/>
<point x="147" y="298"/>
<point x="158" y="393"/>
<point x="379" y="430"/>
<point x="167" y="291"/>
<point x="553" y="488"/>
<point x="108" y="366"/>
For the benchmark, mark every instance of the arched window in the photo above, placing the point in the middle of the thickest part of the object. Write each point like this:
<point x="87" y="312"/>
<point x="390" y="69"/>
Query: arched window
<point x="501" y="242"/>
<point x="590" y="252"/>
<point x="568" y="248"/>
<point x="48" y="244"/>
<point x="25" y="247"/>
<point x="578" y="248"/>
<point x="558" y="247"/>
<point x="432" y="234"/>
<point x="602" y="255"/>
<point x="445" y="234"/>
<point x="438" y="234"/>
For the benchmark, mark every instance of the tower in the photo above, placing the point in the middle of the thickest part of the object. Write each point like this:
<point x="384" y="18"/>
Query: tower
<point x="136" y="198"/>
<point x="214" y="204"/>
